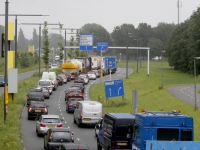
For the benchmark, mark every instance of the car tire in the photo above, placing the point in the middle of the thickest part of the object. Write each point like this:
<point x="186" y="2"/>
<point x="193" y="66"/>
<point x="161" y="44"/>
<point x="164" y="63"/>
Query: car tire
<point x="48" y="97"/>
<point x="98" y="145"/>
<point x="74" y="121"/>
<point x="95" y="132"/>
<point x="79" y="124"/>
<point x="29" y="118"/>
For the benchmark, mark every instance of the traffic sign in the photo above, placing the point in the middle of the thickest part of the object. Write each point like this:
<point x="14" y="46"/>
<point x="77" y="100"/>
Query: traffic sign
<point x="102" y="46"/>
<point x="110" y="62"/>
<point x="86" y="42"/>
<point x="114" y="88"/>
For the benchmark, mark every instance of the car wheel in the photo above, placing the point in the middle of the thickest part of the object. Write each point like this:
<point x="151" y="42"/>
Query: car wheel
<point x="79" y="124"/>
<point x="95" y="132"/>
<point x="74" y="121"/>
<point x="48" y="97"/>
<point x="98" y="145"/>
<point x="29" y="118"/>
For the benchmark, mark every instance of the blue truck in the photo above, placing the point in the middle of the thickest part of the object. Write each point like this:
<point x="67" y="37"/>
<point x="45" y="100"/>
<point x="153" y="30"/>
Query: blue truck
<point x="163" y="131"/>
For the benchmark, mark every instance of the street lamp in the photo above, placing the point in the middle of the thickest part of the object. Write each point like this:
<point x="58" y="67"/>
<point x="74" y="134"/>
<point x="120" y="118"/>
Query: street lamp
<point x="195" y="93"/>
<point x="163" y="51"/>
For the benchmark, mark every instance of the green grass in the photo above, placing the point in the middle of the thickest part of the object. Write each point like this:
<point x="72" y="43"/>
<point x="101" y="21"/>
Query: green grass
<point x="150" y="94"/>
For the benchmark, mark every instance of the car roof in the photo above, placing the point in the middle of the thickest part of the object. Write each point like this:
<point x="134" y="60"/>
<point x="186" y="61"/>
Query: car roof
<point x="60" y="129"/>
<point x="75" y="146"/>
<point x="121" y="115"/>
<point x="50" y="116"/>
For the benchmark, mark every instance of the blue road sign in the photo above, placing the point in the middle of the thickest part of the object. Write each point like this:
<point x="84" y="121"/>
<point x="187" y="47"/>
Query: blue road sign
<point x="102" y="46"/>
<point x="114" y="88"/>
<point x="110" y="62"/>
<point x="86" y="42"/>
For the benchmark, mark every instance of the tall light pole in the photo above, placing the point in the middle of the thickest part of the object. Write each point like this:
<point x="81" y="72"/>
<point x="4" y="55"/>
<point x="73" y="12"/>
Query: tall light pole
<point x="39" y="36"/>
<point x="127" y="34"/>
<point x="163" y="51"/>
<point x="195" y="92"/>
<point x="29" y="15"/>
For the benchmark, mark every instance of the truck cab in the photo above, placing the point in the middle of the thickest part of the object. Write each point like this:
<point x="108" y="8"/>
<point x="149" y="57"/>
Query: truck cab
<point x="161" y="126"/>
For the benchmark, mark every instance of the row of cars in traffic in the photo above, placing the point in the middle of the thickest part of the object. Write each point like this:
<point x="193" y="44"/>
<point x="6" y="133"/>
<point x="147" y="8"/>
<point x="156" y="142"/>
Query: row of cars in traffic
<point x="51" y="126"/>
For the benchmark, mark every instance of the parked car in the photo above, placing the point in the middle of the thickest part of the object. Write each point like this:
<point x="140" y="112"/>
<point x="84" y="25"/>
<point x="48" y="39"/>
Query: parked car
<point x="92" y="75"/>
<point x="55" y="137"/>
<point x="97" y="126"/>
<point x="63" y="77"/>
<point x="35" y="94"/>
<point x="71" y="104"/>
<point x="73" y="92"/>
<point x="36" y="109"/>
<point x="48" y="121"/>
<point x="88" y="113"/>
<point x="46" y="83"/>
<point x="73" y="146"/>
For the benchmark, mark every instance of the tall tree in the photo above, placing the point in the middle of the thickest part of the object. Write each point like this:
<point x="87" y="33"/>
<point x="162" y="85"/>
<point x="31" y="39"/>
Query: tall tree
<point x="35" y="40"/>
<point x="45" y="47"/>
<point x="21" y="41"/>
<point x="60" y="43"/>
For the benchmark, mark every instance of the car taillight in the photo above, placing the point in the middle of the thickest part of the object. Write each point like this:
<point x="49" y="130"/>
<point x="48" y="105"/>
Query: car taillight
<point x="30" y="109"/>
<point x="60" y="125"/>
<point x="70" y="104"/>
<point x="42" y="125"/>
<point x="81" y="114"/>
<point x="69" y="94"/>
<point x="81" y="95"/>
<point x="45" y="110"/>
<point x="113" y="144"/>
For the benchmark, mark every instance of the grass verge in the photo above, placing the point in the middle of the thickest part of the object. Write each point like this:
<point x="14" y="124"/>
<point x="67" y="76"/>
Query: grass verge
<point x="150" y="94"/>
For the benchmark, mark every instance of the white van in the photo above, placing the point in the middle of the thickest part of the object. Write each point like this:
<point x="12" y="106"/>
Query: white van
<point x="87" y="112"/>
<point x="51" y="76"/>
<point x="46" y="83"/>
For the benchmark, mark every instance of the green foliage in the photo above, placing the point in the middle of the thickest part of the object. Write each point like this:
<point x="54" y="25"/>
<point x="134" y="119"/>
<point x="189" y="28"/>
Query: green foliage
<point x="45" y="47"/>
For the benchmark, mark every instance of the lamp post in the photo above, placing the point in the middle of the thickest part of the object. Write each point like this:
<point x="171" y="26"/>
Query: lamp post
<point x="163" y="51"/>
<point x="195" y="93"/>
<point x="39" y="36"/>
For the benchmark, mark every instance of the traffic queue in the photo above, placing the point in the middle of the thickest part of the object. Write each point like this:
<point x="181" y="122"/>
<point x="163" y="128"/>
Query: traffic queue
<point x="51" y="126"/>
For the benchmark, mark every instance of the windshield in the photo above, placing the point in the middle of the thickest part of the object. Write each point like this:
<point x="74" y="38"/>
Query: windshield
<point x="51" y="120"/>
<point x="44" y="83"/>
<point x="64" y="136"/>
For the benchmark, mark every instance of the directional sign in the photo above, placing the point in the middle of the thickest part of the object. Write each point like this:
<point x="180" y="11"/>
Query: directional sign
<point x="114" y="88"/>
<point x="86" y="42"/>
<point x="102" y="46"/>
<point x="110" y="62"/>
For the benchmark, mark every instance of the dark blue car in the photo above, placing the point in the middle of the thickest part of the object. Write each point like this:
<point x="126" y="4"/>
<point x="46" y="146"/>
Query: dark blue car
<point x="2" y="82"/>
<point x="71" y="104"/>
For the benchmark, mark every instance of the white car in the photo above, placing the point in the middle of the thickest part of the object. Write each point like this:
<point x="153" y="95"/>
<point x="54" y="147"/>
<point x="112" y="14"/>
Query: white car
<point x="46" y="83"/>
<point x="92" y="75"/>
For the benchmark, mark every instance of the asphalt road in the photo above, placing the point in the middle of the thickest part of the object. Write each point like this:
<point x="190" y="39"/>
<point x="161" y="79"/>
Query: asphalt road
<point x="57" y="106"/>
<point x="186" y="93"/>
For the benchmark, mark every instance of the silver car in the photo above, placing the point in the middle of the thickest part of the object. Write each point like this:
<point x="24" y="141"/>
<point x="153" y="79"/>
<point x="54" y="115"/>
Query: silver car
<point x="48" y="121"/>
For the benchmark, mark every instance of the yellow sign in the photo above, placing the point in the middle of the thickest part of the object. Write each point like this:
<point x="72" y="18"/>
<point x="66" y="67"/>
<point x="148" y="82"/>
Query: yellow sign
<point x="6" y="94"/>
<point x="10" y="31"/>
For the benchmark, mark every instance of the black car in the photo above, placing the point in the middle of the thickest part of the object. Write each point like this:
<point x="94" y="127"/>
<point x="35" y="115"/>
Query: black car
<point x="36" y="109"/>
<point x="60" y="80"/>
<point x="35" y="94"/>
<point x="73" y="92"/>
<point x="80" y="85"/>
<point x="71" y="104"/>
<point x="73" y="146"/>
<point x="55" y="137"/>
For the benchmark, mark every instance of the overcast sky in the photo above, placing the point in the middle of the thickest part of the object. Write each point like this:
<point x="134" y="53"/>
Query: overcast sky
<point x="108" y="13"/>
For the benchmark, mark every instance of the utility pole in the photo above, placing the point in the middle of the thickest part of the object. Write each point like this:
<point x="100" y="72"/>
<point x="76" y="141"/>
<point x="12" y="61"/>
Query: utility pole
<point x="178" y="5"/>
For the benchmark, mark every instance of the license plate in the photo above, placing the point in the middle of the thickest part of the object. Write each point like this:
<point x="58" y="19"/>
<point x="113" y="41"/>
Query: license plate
<point x="122" y="144"/>
<point x="37" y="110"/>
<point x="51" y="126"/>
<point x="87" y="120"/>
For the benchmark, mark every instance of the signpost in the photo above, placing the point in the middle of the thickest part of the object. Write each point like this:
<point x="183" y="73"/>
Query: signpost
<point x="102" y="46"/>
<point x="86" y="42"/>
<point x="110" y="62"/>
<point x="114" y="88"/>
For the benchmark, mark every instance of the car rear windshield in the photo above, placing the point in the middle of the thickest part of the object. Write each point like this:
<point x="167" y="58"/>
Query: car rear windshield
<point x="45" y="83"/>
<point x="121" y="130"/>
<point x="51" y="120"/>
<point x="37" y="104"/>
<point x="65" y="136"/>
<point x="35" y="94"/>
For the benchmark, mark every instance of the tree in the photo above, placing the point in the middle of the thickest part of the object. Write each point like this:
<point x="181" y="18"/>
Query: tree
<point x="24" y="59"/>
<point x="45" y="47"/>
<point x="60" y="43"/>
<point x="35" y="40"/>
<point x="21" y="41"/>
<point x="156" y="46"/>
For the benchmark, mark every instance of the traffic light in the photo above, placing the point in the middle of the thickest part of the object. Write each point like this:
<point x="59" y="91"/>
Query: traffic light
<point x="2" y="45"/>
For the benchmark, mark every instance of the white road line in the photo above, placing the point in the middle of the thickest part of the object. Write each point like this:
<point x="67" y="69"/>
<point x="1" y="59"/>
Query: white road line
<point x="58" y="107"/>
<point x="60" y="110"/>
